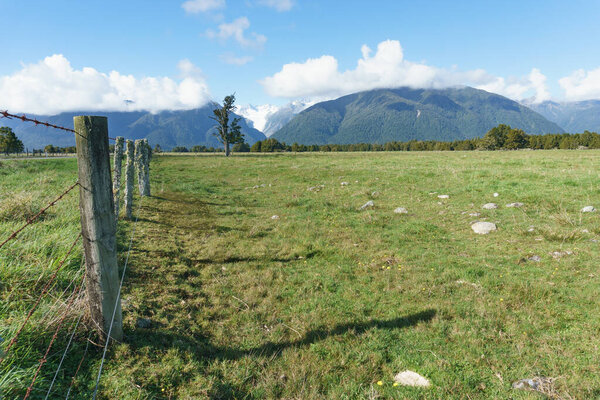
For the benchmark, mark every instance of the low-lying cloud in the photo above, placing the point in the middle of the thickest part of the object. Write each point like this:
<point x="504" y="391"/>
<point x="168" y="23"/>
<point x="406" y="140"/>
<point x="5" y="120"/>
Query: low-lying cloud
<point x="52" y="86"/>
<point x="581" y="85"/>
<point x="387" y="68"/>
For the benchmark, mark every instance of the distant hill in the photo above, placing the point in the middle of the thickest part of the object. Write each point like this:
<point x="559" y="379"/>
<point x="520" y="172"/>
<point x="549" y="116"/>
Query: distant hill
<point x="575" y="117"/>
<point x="404" y="114"/>
<point x="167" y="128"/>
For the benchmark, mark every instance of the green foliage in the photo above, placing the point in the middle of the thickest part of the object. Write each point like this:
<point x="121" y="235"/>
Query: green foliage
<point x="495" y="138"/>
<point x="179" y="149"/>
<point x="157" y="149"/>
<point x="241" y="148"/>
<point x="227" y="133"/>
<point x="9" y="142"/>
<point x="256" y="147"/>
<point x="51" y="149"/>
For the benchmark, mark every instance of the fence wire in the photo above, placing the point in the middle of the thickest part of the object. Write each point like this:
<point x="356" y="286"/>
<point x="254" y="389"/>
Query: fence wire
<point x="39" y="214"/>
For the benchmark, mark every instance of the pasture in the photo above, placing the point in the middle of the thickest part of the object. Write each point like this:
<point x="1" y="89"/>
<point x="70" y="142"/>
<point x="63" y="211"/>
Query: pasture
<point x="245" y="284"/>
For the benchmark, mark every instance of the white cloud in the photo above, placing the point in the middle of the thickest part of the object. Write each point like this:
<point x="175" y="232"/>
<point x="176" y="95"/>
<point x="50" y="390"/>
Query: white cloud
<point x="279" y="5"/>
<point x="197" y="6"/>
<point x="52" y="86"/>
<point x="581" y="85"/>
<point x="230" y="58"/>
<point x="387" y="68"/>
<point x="236" y="30"/>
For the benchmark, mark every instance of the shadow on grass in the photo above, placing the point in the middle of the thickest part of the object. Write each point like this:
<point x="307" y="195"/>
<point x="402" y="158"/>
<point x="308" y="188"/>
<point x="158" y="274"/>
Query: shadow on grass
<point x="198" y="346"/>
<point x="201" y="348"/>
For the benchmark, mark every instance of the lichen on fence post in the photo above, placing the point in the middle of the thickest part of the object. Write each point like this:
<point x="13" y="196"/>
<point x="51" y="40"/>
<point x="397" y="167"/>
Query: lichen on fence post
<point x="129" y="177"/>
<point x="117" y="178"/>
<point x="139" y="164"/>
<point x="147" y="155"/>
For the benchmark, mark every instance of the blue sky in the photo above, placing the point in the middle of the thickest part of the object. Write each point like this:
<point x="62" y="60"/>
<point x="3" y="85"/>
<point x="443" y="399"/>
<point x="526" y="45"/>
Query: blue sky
<point x="275" y="51"/>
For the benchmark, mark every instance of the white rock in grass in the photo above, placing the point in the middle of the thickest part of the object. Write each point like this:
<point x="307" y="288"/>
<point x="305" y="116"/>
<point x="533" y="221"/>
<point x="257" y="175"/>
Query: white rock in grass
<point x="483" y="228"/>
<point x="474" y="214"/>
<point x="490" y="206"/>
<point x="275" y="217"/>
<point x="344" y="184"/>
<point x="410" y="378"/>
<point x="515" y="205"/>
<point x="496" y="195"/>
<point x="401" y="210"/>
<point x="535" y="258"/>
<point x="368" y="204"/>
<point x="588" y="209"/>
<point x="443" y="196"/>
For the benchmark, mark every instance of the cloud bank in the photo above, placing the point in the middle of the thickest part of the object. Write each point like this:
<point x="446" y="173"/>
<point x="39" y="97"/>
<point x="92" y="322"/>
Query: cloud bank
<point x="321" y="77"/>
<point x="52" y="86"/>
<point x="581" y="85"/>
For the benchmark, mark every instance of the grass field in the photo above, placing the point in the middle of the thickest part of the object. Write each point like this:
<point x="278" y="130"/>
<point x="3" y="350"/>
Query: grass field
<point x="326" y="300"/>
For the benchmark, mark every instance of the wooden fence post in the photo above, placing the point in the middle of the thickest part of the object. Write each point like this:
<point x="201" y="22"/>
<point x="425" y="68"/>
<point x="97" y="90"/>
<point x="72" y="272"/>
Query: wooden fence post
<point x="129" y="177"/>
<point x="98" y="224"/>
<point x="141" y="166"/>
<point x="147" y="155"/>
<point x="117" y="179"/>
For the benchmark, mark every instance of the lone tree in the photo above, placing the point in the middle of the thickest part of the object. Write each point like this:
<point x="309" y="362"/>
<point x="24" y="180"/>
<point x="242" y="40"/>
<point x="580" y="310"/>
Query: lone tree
<point x="9" y="142"/>
<point x="227" y="133"/>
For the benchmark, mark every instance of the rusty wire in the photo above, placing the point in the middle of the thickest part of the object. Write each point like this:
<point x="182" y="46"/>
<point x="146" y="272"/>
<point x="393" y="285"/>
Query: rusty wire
<point x="76" y="293"/>
<point x="24" y="118"/>
<point x="42" y="294"/>
<point x="36" y="216"/>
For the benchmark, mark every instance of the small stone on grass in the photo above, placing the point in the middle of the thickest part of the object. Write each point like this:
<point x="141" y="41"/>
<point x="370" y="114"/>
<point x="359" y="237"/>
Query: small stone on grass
<point x="490" y="206"/>
<point x="410" y="378"/>
<point x="483" y="228"/>
<point x="588" y="209"/>
<point x="368" y="204"/>
<point x="401" y="210"/>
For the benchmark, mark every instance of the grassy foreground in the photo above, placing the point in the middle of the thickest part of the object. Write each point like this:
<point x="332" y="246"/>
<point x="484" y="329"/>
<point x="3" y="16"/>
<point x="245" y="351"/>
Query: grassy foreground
<point x="326" y="300"/>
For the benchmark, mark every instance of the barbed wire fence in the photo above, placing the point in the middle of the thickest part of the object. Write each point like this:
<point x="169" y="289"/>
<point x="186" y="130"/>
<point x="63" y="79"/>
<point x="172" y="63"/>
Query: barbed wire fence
<point x="99" y="284"/>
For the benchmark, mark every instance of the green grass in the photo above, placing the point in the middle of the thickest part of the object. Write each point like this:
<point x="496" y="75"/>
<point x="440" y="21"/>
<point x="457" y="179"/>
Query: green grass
<point x="305" y="306"/>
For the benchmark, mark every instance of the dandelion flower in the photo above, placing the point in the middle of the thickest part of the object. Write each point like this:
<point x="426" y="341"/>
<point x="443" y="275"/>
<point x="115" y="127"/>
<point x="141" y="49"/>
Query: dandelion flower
<point x="380" y="383"/>
<point x="395" y="384"/>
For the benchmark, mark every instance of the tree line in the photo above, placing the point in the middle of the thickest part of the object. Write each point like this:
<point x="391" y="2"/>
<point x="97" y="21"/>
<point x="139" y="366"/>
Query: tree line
<point x="501" y="137"/>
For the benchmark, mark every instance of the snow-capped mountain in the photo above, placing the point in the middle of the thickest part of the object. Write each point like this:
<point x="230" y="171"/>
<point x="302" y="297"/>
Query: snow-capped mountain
<point x="270" y="118"/>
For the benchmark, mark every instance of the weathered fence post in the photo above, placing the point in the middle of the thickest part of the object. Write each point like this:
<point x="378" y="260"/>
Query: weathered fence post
<point x="147" y="168"/>
<point x="129" y="177"/>
<point x="98" y="224"/>
<point x="117" y="178"/>
<point x="141" y="166"/>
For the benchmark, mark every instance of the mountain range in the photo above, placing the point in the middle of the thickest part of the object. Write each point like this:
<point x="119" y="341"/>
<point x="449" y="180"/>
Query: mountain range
<point x="167" y="128"/>
<point x="574" y="117"/>
<point x="375" y="116"/>
<point x="403" y="114"/>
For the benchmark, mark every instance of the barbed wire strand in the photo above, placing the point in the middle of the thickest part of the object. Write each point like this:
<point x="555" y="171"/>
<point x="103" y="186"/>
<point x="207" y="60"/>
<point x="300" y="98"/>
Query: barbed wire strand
<point x="87" y="345"/>
<point x="35" y="217"/>
<point x="64" y="355"/>
<point x="76" y="292"/>
<point x="42" y="294"/>
<point x="112" y="321"/>
<point x="24" y="118"/>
